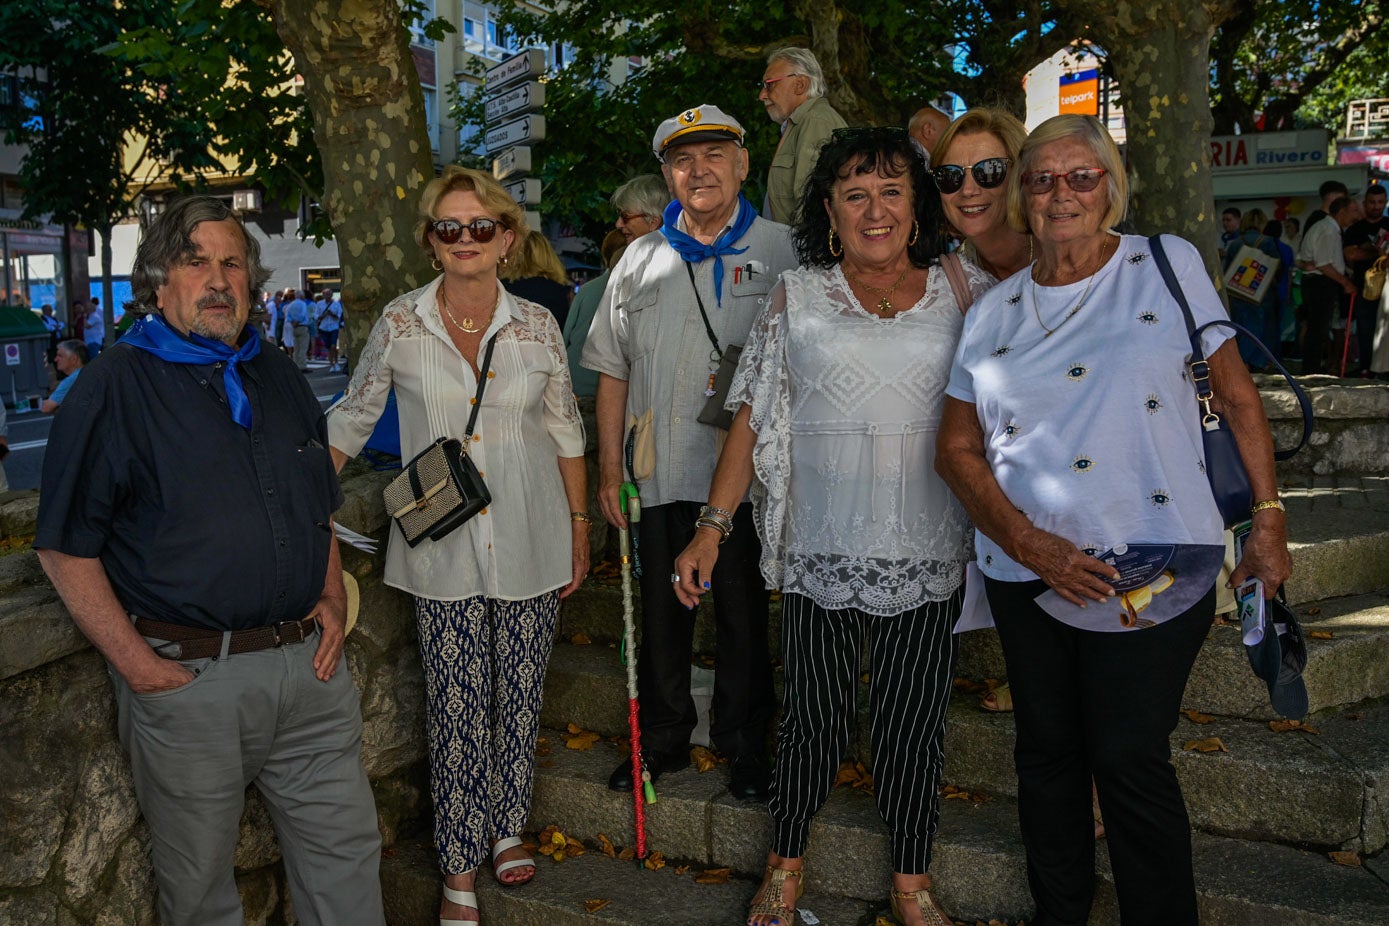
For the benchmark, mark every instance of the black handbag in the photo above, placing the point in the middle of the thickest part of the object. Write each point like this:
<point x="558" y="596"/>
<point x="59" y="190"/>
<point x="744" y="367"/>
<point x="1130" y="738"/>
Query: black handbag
<point x="440" y="488"/>
<point x="1224" y="466"/>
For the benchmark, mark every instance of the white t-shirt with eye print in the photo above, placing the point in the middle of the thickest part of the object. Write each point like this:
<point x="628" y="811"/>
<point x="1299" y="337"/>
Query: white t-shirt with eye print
<point x="1094" y="432"/>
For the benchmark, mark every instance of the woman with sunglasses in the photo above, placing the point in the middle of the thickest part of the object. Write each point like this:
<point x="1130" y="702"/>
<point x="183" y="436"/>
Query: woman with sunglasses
<point x="837" y="403"/>
<point x="486" y="594"/>
<point x="973" y="157"/>
<point x="1071" y="430"/>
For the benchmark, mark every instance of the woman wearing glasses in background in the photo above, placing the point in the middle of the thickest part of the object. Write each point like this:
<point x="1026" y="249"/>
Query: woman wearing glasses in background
<point x="486" y="595"/>
<point x="1070" y="427"/>
<point x="974" y="155"/>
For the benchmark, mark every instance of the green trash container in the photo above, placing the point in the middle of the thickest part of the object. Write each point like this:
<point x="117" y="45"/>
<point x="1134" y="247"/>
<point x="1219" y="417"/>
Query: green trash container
<point x="23" y="346"/>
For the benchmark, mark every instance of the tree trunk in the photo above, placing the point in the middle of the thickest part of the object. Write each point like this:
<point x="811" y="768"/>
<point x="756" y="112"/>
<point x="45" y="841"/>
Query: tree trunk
<point x="108" y="295"/>
<point x="1161" y="57"/>
<point x="369" y="127"/>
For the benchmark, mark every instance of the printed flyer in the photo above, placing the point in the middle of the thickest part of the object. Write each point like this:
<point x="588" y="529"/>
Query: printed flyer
<point x="1157" y="582"/>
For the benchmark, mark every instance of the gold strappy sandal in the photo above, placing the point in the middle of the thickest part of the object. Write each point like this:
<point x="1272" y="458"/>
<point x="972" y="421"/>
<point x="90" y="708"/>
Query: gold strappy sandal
<point x="931" y="912"/>
<point x="770" y="904"/>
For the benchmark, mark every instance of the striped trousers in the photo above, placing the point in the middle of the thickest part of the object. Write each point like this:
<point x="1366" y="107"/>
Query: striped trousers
<point x="911" y="671"/>
<point x="484" y="675"/>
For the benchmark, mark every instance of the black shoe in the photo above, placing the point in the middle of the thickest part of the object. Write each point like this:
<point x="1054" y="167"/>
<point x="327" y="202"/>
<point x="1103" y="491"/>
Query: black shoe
<point x="654" y="765"/>
<point x="748" y="779"/>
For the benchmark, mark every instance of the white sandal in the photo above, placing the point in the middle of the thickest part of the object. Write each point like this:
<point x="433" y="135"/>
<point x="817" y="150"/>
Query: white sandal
<point x="463" y="899"/>
<point x="502" y="845"/>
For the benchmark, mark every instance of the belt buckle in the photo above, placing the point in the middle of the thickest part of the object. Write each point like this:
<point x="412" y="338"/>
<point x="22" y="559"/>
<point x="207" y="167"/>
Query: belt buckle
<point x="282" y="634"/>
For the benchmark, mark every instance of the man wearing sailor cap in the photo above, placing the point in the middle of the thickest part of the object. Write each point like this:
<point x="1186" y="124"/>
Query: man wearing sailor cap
<point x="676" y="301"/>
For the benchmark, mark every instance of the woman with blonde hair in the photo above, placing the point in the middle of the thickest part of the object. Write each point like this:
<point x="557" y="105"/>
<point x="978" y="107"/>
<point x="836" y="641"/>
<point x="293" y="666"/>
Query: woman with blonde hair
<point x="486" y="594"/>
<point x="535" y="272"/>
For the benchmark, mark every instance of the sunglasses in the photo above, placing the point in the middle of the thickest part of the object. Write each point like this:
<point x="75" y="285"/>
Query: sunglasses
<point x="988" y="173"/>
<point x="450" y="230"/>
<point x="1080" y="180"/>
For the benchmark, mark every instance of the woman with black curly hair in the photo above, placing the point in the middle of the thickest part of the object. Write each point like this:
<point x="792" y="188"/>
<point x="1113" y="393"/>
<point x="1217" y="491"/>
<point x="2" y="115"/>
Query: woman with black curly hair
<point x="837" y="402"/>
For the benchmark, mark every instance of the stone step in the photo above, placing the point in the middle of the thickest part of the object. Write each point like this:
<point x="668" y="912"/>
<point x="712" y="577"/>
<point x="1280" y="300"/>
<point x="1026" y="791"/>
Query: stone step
<point x="557" y="894"/>
<point x="587" y="684"/>
<point x="978" y="862"/>
<point x="1314" y="791"/>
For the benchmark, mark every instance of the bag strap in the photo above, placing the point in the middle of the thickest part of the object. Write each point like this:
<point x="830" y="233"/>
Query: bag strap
<point x="708" y="328"/>
<point x="955" y="273"/>
<point x="481" y="385"/>
<point x="1200" y="367"/>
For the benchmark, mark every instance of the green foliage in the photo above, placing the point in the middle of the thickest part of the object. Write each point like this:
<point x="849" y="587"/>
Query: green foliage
<point x="83" y="104"/>
<point x="1273" y="56"/>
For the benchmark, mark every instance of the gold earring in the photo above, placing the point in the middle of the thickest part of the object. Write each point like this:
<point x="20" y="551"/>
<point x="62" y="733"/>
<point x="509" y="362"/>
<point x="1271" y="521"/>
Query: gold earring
<point x="434" y="262"/>
<point x="833" y="252"/>
<point x="916" y="230"/>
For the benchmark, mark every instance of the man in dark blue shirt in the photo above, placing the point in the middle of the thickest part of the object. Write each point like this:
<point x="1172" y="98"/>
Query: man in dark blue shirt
<point x="186" y="521"/>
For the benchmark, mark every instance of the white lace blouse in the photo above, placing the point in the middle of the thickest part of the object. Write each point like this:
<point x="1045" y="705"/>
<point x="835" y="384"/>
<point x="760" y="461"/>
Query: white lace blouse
<point x="846" y="407"/>
<point x="520" y="545"/>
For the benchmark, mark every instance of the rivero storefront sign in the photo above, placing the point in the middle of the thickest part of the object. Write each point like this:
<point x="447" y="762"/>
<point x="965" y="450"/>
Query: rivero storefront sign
<point x="1269" y="150"/>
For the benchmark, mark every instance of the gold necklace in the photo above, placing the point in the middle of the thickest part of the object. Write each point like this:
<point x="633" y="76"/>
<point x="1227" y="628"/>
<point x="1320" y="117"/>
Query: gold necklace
<point x="1078" y="306"/>
<point x="885" y="303"/>
<point x="467" y="324"/>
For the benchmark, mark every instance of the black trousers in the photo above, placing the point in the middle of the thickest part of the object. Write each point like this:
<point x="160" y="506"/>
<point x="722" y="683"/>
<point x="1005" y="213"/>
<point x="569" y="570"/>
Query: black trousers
<point x="1321" y="298"/>
<point x="1104" y="705"/>
<point x="911" y="673"/>
<point x="743" y="694"/>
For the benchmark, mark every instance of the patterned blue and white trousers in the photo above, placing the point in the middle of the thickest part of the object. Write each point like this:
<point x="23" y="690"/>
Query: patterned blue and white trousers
<point x="484" y="674"/>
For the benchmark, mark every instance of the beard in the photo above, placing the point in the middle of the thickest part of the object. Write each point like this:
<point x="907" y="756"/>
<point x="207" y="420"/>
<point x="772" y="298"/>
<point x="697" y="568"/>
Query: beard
<point x="218" y="326"/>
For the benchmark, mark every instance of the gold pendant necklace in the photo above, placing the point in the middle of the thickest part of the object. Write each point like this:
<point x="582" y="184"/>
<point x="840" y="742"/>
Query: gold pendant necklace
<point x="884" y="306"/>
<point x="467" y="324"/>
<point x="1078" y="306"/>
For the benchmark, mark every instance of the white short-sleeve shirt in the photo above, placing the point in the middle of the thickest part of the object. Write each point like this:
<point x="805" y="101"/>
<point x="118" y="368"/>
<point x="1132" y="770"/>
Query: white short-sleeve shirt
<point x="1093" y="433"/>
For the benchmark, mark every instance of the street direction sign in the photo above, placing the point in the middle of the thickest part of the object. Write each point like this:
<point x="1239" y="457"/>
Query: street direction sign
<point x="526" y="98"/>
<point x="526" y="192"/>
<point x="529" y="63"/>
<point x="513" y="162"/>
<point x="518" y="132"/>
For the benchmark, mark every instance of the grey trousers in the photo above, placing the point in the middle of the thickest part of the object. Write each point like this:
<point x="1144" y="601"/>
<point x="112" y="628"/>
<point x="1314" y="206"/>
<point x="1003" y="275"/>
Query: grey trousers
<point x="302" y="342"/>
<point x="259" y="718"/>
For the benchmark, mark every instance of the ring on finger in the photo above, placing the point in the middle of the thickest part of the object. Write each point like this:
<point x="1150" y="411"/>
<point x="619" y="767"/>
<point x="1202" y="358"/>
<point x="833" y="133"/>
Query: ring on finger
<point x="675" y="577"/>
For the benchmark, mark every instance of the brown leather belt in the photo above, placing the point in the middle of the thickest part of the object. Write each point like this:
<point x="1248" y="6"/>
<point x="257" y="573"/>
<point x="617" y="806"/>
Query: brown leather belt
<point x="200" y="643"/>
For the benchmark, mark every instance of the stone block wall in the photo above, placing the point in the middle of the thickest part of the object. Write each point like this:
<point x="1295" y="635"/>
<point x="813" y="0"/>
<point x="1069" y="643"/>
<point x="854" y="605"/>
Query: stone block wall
<point x="73" y="848"/>
<point x="1351" y="435"/>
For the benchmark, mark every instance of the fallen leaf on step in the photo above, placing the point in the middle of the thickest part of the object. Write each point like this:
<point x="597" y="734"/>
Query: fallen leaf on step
<point x="388" y="852"/>
<point x="864" y="678"/>
<point x="580" y="639"/>
<point x="580" y="739"/>
<point x="1198" y="717"/>
<point x="854" y="775"/>
<point x="593" y="906"/>
<point x="1348" y="859"/>
<point x="1209" y="744"/>
<point x="574" y="848"/>
<point x="950" y="792"/>
<point x="682" y="869"/>
<point x="1312" y="612"/>
<point x="884" y="921"/>
<point x="703" y="760"/>
<point x="706" y="661"/>
<point x="713" y="876"/>
<point x="1319" y="634"/>
<point x="654" y="862"/>
<point x="967" y="686"/>
<point x="1283" y="726"/>
<point x="605" y="845"/>
<point x="627" y="854"/>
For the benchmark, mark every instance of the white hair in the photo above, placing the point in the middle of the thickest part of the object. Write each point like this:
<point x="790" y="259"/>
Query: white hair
<point x="803" y="61"/>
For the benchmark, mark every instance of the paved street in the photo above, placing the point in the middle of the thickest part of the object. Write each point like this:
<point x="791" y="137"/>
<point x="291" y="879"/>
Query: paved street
<point x="29" y="431"/>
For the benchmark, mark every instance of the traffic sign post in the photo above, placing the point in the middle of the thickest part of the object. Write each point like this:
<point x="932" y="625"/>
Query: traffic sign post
<point x="515" y="101"/>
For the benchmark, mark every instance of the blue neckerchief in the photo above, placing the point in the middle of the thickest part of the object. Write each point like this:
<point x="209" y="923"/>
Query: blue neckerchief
<point x="152" y="333"/>
<point x="694" y="251"/>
